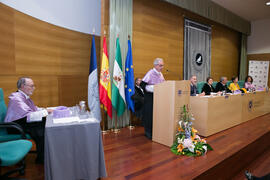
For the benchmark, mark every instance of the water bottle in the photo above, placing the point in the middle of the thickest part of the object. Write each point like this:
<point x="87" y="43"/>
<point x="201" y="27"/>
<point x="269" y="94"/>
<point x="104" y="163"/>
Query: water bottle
<point x="82" y="107"/>
<point x="223" y="93"/>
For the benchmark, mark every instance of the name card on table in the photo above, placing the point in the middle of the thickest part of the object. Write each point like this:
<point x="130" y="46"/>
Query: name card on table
<point x="73" y="119"/>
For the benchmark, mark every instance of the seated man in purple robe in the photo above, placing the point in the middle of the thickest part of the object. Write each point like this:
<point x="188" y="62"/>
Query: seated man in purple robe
<point x="23" y="111"/>
<point x="153" y="77"/>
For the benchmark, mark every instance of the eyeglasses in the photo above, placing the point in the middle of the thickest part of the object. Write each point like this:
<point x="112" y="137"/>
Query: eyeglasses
<point x="161" y="65"/>
<point x="31" y="86"/>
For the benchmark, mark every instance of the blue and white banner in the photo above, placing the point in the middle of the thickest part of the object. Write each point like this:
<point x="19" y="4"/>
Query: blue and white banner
<point x="258" y="70"/>
<point x="93" y="89"/>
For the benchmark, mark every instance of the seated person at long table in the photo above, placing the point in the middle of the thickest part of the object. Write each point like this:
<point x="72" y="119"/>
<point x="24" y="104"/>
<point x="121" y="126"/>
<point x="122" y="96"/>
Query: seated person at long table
<point x="22" y="110"/>
<point x="234" y="86"/>
<point x="248" y="84"/>
<point x="193" y="86"/>
<point x="222" y="85"/>
<point x="207" y="87"/>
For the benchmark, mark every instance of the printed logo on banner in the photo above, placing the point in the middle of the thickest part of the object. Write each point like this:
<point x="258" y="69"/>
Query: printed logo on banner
<point x="199" y="59"/>
<point x="259" y="71"/>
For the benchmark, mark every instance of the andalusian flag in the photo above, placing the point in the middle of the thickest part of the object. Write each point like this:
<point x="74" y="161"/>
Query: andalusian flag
<point x="105" y="81"/>
<point x="118" y="91"/>
<point x="129" y="79"/>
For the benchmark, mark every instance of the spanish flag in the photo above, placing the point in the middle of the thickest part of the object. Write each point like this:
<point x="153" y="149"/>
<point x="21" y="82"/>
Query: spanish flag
<point x="105" y="92"/>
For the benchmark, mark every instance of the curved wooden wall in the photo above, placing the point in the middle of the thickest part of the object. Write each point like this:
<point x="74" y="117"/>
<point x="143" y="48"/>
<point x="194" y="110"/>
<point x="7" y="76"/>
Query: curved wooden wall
<point x="57" y="59"/>
<point x="158" y="31"/>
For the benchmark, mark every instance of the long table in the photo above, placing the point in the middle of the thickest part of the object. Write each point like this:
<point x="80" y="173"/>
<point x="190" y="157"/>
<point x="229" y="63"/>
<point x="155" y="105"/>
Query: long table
<point x="216" y="113"/>
<point x="73" y="151"/>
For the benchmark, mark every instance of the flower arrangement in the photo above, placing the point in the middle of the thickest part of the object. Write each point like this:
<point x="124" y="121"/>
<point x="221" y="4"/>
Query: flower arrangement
<point x="187" y="141"/>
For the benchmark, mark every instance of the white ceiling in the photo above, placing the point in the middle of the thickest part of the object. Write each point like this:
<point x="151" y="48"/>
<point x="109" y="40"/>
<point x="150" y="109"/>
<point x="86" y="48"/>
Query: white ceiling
<point x="251" y="10"/>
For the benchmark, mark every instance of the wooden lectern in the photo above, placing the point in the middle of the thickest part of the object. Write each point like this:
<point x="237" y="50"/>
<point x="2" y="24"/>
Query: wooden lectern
<point x="169" y="97"/>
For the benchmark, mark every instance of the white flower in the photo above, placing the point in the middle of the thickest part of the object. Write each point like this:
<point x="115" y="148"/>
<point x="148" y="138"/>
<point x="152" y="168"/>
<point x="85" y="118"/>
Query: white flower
<point x="185" y="124"/>
<point x="188" y="144"/>
<point x="205" y="148"/>
<point x="180" y="141"/>
<point x="191" y="148"/>
<point x="180" y="123"/>
<point x="197" y="137"/>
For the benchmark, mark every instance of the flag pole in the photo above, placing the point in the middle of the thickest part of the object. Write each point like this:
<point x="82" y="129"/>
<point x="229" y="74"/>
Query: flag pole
<point x="105" y="118"/>
<point x="104" y="131"/>
<point x="116" y="130"/>
<point x="130" y="127"/>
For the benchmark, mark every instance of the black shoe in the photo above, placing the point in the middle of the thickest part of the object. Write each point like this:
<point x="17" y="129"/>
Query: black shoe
<point x="248" y="175"/>
<point x="148" y="136"/>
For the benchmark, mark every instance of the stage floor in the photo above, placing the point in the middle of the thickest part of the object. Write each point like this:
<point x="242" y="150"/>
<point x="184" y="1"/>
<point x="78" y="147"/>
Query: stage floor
<point x="130" y="155"/>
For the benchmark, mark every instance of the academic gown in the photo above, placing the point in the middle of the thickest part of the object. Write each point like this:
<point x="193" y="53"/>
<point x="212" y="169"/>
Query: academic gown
<point x="207" y="89"/>
<point x="19" y="109"/>
<point x="151" y="78"/>
<point x="221" y="87"/>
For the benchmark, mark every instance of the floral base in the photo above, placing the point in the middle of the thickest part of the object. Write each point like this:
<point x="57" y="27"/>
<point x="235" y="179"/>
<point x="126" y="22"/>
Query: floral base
<point x="187" y="141"/>
<point x="191" y="148"/>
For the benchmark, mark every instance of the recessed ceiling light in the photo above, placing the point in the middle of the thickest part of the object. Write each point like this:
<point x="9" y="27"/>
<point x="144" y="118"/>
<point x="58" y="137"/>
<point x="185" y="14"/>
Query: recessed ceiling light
<point x="268" y="3"/>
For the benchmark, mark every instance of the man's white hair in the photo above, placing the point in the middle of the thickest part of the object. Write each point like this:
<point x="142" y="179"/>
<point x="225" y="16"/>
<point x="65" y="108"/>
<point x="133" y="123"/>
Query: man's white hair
<point x="157" y="61"/>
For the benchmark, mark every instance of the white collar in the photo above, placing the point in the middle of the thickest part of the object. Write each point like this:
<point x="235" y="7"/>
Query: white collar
<point x="26" y="96"/>
<point x="157" y="71"/>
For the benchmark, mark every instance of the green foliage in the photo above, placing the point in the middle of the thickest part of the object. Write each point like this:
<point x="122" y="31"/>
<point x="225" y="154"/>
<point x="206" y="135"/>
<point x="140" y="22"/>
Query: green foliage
<point x="187" y="141"/>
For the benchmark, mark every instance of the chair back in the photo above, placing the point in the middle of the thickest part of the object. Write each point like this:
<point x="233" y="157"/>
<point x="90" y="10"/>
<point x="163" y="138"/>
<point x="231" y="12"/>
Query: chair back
<point x="228" y="83"/>
<point x="241" y="84"/>
<point x="214" y="84"/>
<point x="200" y="86"/>
<point x="3" y="110"/>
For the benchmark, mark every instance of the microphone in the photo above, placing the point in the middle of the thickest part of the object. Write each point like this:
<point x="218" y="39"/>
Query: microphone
<point x="172" y="73"/>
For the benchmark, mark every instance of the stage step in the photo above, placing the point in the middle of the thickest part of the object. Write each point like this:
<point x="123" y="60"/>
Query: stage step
<point x="249" y="141"/>
<point x="259" y="167"/>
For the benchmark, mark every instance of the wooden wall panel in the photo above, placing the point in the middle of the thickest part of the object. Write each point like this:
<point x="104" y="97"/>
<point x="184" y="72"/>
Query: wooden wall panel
<point x="72" y="89"/>
<point x="260" y="57"/>
<point x="158" y="31"/>
<point x="7" y="62"/>
<point x="225" y="52"/>
<point x="49" y="54"/>
<point x="46" y="92"/>
<point x="8" y="84"/>
<point x="105" y="22"/>
<point x="36" y="51"/>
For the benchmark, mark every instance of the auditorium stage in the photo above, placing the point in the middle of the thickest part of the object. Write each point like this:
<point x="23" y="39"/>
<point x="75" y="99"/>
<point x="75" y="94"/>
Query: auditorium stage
<point x="130" y="155"/>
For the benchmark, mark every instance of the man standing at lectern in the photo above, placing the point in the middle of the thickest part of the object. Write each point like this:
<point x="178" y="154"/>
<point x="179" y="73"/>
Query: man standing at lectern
<point x="152" y="77"/>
